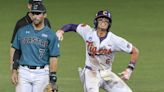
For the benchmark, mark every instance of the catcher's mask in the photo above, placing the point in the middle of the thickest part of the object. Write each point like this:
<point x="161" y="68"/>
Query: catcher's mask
<point x="104" y="14"/>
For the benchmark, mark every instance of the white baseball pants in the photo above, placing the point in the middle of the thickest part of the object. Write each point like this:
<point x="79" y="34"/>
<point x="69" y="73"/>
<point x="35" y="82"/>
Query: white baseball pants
<point x="32" y="80"/>
<point x="93" y="80"/>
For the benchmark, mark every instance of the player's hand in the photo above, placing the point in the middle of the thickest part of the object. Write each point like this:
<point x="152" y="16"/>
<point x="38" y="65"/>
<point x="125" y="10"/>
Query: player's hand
<point x="125" y="75"/>
<point x="59" y="34"/>
<point x="14" y="77"/>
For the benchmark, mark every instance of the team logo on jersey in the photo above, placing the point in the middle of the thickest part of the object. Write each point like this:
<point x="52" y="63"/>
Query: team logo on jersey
<point x="33" y="40"/>
<point x="90" y="38"/>
<point x="44" y="35"/>
<point x="93" y="50"/>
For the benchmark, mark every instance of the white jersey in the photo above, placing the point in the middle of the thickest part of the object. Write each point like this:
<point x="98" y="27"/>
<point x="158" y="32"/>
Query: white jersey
<point x="100" y="55"/>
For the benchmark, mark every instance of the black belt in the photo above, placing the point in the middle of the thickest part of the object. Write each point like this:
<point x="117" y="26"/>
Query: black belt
<point x="94" y="54"/>
<point x="88" y="67"/>
<point x="33" y="67"/>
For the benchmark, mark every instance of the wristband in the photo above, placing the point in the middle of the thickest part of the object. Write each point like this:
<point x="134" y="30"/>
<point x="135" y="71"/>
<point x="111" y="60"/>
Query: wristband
<point x="53" y="77"/>
<point x="131" y="65"/>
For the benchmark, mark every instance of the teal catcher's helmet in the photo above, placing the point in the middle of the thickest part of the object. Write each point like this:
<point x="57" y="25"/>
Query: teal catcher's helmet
<point x="103" y="14"/>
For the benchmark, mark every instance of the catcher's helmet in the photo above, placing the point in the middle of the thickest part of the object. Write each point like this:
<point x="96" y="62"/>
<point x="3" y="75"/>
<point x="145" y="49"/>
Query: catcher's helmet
<point x="103" y="14"/>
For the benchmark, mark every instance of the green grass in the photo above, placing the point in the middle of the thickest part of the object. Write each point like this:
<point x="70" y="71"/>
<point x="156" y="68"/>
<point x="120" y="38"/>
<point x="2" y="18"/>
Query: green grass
<point x="139" y="21"/>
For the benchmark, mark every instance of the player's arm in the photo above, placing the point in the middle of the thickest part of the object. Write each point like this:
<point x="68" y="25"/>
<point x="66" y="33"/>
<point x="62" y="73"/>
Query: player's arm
<point x="54" y="53"/>
<point x="16" y="46"/>
<point x="53" y="69"/>
<point x="128" y="71"/>
<point x="124" y="46"/>
<point x="14" y="56"/>
<point x="12" y="50"/>
<point x="66" y="28"/>
<point x="134" y="56"/>
<point x="16" y="59"/>
<point x="15" y="66"/>
<point x="69" y="27"/>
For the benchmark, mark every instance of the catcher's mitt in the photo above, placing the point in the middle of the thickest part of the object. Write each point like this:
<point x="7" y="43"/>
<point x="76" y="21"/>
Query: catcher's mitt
<point x="51" y="88"/>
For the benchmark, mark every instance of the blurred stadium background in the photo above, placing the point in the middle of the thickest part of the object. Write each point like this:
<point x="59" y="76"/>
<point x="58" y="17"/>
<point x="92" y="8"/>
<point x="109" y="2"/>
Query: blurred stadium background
<point x="139" y="21"/>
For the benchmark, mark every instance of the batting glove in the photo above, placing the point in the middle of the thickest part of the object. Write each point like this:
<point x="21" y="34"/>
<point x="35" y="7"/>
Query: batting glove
<point x="125" y="75"/>
<point x="59" y="34"/>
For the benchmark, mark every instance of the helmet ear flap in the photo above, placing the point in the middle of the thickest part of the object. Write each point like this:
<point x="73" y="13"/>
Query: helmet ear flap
<point x="95" y="23"/>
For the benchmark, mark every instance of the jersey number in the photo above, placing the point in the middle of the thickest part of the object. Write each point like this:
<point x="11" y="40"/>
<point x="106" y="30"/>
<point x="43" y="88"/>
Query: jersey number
<point x="41" y="53"/>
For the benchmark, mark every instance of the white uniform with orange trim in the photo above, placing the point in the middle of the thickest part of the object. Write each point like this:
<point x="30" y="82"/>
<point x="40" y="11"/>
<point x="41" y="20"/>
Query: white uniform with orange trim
<point x="99" y="57"/>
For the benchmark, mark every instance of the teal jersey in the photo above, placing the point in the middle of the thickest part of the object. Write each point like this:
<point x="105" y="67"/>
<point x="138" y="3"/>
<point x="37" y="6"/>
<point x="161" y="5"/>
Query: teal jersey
<point x="36" y="46"/>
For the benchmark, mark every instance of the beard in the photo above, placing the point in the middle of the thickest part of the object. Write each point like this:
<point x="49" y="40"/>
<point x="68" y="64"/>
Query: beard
<point x="37" y="21"/>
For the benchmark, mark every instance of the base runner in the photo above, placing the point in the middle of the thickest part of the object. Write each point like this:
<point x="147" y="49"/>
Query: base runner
<point x="101" y="46"/>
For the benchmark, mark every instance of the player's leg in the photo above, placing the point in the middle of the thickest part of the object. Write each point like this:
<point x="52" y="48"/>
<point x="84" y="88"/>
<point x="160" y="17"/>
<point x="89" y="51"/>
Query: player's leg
<point x="40" y="79"/>
<point x="81" y="74"/>
<point x="116" y="85"/>
<point x="24" y="84"/>
<point x="40" y="83"/>
<point x="82" y="77"/>
<point x="91" y="81"/>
